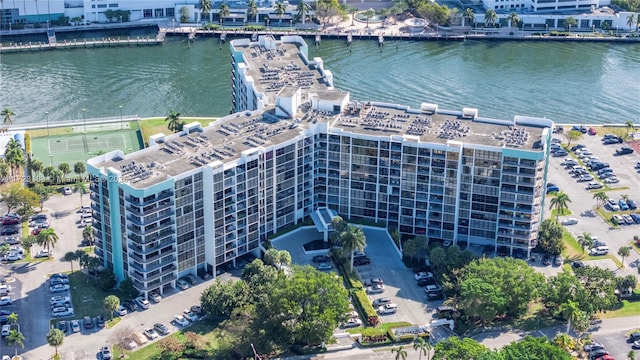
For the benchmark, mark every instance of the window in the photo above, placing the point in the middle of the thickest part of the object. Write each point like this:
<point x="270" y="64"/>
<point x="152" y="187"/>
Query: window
<point x="147" y="13"/>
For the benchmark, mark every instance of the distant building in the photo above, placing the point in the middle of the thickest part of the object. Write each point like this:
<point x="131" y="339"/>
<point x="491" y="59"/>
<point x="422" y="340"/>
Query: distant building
<point x="197" y="200"/>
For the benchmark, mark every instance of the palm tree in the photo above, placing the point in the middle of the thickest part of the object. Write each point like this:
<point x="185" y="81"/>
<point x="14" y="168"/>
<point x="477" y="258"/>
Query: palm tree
<point x="624" y="252"/>
<point x="205" y="8"/>
<point x="12" y="318"/>
<point x="280" y="10"/>
<point x="8" y="114"/>
<point x="14" y="155"/>
<point x="252" y="9"/>
<point x="629" y="125"/>
<point x="79" y="168"/>
<point x="490" y="17"/>
<point x="368" y="14"/>
<point x="70" y="257"/>
<point x="353" y="239"/>
<point x="4" y="169"/>
<point x="174" y="117"/>
<point x="632" y="19"/>
<point x="303" y="10"/>
<point x="585" y="240"/>
<point x="111" y="303"/>
<point x="80" y="188"/>
<point x="36" y="166"/>
<point x="514" y="19"/>
<point x="422" y="347"/>
<point x="401" y="353"/>
<point x="601" y="197"/>
<point x="569" y="22"/>
<point x="570" y="311"/>
<point x="469" y="16"/>
<point x="65" y="168"/>
<point x="224" y="12"/>
<point x="55" y="338"/>
<point x="47" y="238"/>
<point x="87" y="234"/>
<point x="564" y="341"/>
<point x="560" y="202"/>
<point x="15" y="338"/>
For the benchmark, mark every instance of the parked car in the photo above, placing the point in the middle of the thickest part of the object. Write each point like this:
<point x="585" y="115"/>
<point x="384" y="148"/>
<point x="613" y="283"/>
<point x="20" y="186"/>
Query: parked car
<point x="13" y="256"/>
<point x="375" y="289"/>
<point x="155" y="297"/>
<point x="352" y="322"/>
<point x="142" y="302"/>
<point x="182" y="284"/>
<point x="381" y="301"/>
<point x="324" y="266"/>
<point x="196" y="309"/>
<point x="617" y="219"/>
<point x="161" y="329"/>
<point x="625" y="150"/>
<point x="577" y="264"/>
<point x="44" y="253"/>
<point x="585" y="178"/>
<point x="592" y="347"/>
<point x="87" y="322"/>
<point x="59" y="300"/>
<point x="129" y="344"/>
<point x="321" y="258"/>
<point x="121" y="311"/>
<point x="569" y="221"/>
<point x="552" y="189"/>
<point x="58" y="281"/>
<point x="623" y="205"/>
<point x="62" y="326"/>
<point x="613" y="205"/>
<point x="67" y="190"/>
<point x="12" y="240"/>
<point x="422" y="275"/>
<point x="631" y="204"/>
<point x="139" y="338"/>
<point x="100" y="321"/>
<point x="75" y="326"/>
<point x="612" y="180"/>
<point x="10" y="230"/>
<point x="372" y="281"/>
<point x="628" y="219"/>
<point x="558" y="261"/>
<point x="130" y="305"/>
<point x="595" y="185"/>
<point x="387" y="309"/>
<point x="600" y="250"/>
<point x="191" y="279"/>
<point x="105" y="353"/>
<point x="59" y="288"/>
<point x="361" y="261"/>
<point x="635" y="217"/>
<point x="180" y="320"/>
<point x="5" y="300"/>
<point x="190" y="315"/>
<point x="151" y="334"/>
<point x="62" y="311"/>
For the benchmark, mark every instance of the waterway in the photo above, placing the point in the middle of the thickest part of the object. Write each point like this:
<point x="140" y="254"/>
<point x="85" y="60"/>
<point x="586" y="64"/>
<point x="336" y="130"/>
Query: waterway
<point x="567" y="82"/>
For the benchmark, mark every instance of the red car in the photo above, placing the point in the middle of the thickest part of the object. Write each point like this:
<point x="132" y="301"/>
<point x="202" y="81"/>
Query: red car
<point x="36" y="231"/>
<point x="8" y="220"/>
<point x="592" y="131"/>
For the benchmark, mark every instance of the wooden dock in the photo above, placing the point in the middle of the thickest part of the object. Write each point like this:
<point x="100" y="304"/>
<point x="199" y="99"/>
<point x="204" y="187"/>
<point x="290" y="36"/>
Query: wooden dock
<point x="54" y="44"/>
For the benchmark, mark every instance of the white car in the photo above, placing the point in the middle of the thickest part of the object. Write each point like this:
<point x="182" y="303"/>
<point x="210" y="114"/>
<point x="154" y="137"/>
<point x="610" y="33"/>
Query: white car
<point x="352" y="322"/>
<point x="151" y="334"/>
<point x="14" y="256"/>
<point x="59" y="300"/>
<point x="387" y="309"/>
<point x="612" y="180"/>
<point x="67" y="190"/>
<point x="58" y="288"/>
<point x="423" y="275"/>
<point x="129" y="344"/>
<point x="190" y="315"/>
<point x="42" y="254"/>
<point x="324" y="266"/>
<point x="155" y="297"/>
<point x="595" y="185"/>
<point x="5" y="289"/>
<point x="5" y="300"/>
<point x="121" y="311"/>
<point x="569" y="221"/>
<point x="180" y="320"/>
<point x="62" y="311"/>
<point x="142" y="302"/>
<point x="6" y="329"/>
<point x="375" y="289"/>
<point x="618" y="219"/>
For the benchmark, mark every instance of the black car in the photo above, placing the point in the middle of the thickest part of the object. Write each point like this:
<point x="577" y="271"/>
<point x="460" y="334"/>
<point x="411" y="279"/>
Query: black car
<point x="546" y="260"/>
<point x="634" y="336"/>
<point x="631" y="204"/>
<point x="361" y="261"/>
<point x="624" y="150"/>
<point x="62" y="325"/>
<point x="100" y="321"/>
<point x="592" y="347"/>
<point x="321" y="259"/>
<point x="577" y="264"/>
<point x="130" y="305"/>
<point x="598" y="353"/>
<point x="576" y="147"/>
<point x="10" y="230"/>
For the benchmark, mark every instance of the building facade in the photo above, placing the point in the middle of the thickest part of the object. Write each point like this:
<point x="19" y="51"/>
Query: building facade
<point x="197" y="200"/>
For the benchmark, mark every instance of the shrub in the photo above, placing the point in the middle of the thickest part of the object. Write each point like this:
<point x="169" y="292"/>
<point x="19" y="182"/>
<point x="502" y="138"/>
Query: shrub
<point x="361" y="300"/>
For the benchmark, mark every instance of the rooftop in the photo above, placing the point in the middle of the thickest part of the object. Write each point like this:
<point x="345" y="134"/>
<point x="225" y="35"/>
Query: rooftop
<point x="225" y="139"/>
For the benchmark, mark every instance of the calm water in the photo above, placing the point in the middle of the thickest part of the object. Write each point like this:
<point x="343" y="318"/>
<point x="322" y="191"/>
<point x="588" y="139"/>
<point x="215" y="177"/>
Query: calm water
<point x="567" y="82"/>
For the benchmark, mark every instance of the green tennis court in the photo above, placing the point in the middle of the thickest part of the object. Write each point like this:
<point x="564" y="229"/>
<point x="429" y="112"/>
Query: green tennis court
<point x="56" y="149"/>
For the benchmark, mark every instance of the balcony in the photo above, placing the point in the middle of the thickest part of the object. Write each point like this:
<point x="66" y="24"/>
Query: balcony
<point x="148" y="249"/>
<point x="161" y="196"/>
<point x="151" y="278"/>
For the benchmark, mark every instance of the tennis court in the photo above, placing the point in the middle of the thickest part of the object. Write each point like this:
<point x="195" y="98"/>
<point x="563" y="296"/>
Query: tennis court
<point x="56" y="149"/>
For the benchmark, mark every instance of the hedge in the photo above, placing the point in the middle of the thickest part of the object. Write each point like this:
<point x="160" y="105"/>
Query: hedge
<point x="406" y="337"/>
<point x="362" y="301"/>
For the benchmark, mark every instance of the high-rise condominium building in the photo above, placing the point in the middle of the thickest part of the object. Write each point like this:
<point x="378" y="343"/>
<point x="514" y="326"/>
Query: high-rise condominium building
<point x="199" y="199"/>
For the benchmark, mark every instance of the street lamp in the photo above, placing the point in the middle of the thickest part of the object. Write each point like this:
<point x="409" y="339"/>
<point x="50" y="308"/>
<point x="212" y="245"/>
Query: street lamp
<point x="173" y="24"/>
<point x="120" y="107"/>
<point x="46" y="116"/>
<point x="84" y="120"/>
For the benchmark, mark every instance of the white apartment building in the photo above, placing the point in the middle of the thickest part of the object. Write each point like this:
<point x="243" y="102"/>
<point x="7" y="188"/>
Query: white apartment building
<point x="199" y="199"/>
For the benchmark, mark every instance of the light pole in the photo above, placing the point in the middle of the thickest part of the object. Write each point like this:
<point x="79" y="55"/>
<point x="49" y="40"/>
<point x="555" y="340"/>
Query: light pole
<point x="594" y="28"/>
<point x="46" y="116"/>
<point x="546" y="28"/>
<point x="84" y="120"/>
<point x="173" y="24"/>
<point x="120" y="107"/>
<point x="50" y="160"/>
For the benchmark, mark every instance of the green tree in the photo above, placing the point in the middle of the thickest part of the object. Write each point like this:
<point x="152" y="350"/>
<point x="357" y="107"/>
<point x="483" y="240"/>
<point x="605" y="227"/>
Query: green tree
<point x="65" y="168"/>
<point x="306" y="305"/>
<point x="57" y="176"/>
<point x="224" y="12"/>
<point x="8" y="114"/>
<point x="88" y="235"/>
<point x="205" y="8"/>
<point x="36" y="166"/>
<point x="4" y="172"/>
<point x="422" y="347"/>
<point x="368" y="14"/>
<point x="12" y="319"/>
<point x="469" y="16"/>
<point x="570" y="22"/>
<point x="281" y="8"/>
<point x="55" y="338"/>
<point x="514" y="19"/>
<point x="14" y="155"/>
<point x="601" y="198"/>
<point x="572" y="135"/>
<point x="490" y="17"/>
<point x="174" y="120"/>
<point x="351" y="240"/>
<point x="531" y="348"/>
<point x="28" y="241"/>
<point x="415" y="247"/>
<point x="260" y="279"/>
<point x="326" y="9"/>
<point x="70" y="257"/>
<point x="303" y="9"/>
<point x="560" y="202"/>
<point x="127" y="288"/>
<point x="458" y="349"/>
<point x="550" y="237"/>
<point x="252" y="10"/>
<point x="79" y="168"/>
<point x="624" y="252"/>
<point x="106" y="280"/>
<point x="277" y="258"/>
<point x="401" y="353"/>
<point x="631" y="355"/>
<point x="47" y="238"/>
<point x="437" y="14"/>
<point x="184" y="14"/>
<point x="111" y="303"/>
<point x="585" y="240"/>
<point x="80" y="188"/>
<point x="42" y="192"/>
<point x="15" y="338"/>
<point x="564" y="341"/>
<point x="569" y="311"/>
<point x="221" y="298"/>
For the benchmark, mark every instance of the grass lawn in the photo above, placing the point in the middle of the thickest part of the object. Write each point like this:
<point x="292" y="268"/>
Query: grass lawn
<point x="152" y="126"/>
<point x="111" y="323"/>
<point x="564" y="212"/>
<point x="380" y="330"/>
<point x="628" y="308"/>
<point x="87" y="297"/>
<point x="574" y="252"/>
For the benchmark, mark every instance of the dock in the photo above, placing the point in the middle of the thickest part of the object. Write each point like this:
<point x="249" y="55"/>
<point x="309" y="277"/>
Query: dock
<point x="81" y="43"/>
<point x="349" y="39"/>
<point x="380" y="40"/>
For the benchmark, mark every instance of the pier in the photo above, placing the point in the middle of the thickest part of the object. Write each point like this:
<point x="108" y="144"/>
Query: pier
<point x="82" y="43"/>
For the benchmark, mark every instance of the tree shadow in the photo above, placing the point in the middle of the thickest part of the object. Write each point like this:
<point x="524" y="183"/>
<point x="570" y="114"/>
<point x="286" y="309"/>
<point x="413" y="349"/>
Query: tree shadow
<point x="61" y="214"/>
